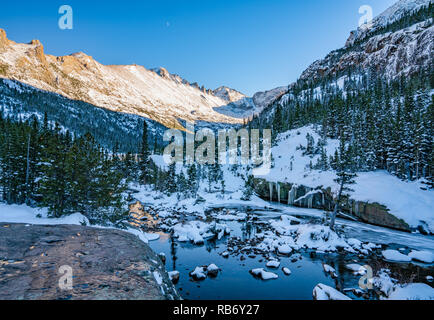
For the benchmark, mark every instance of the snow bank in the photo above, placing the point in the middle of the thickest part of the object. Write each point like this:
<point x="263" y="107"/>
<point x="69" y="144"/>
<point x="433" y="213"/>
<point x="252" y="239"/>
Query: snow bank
<point x="393" y="291"/>
<point x="413" y="291"/>
<point x="27" y="215"/>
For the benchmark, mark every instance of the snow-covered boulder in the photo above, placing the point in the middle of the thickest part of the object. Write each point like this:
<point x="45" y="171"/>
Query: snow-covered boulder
<point x="394" y="255"/>
<point x="198" y="274"/>
<point x="384" y="282"/>
<point x="356" y="268"/>
<point x="355" y="243"/>
<point x="286" y="271"/>
<point x="423" y="256"/>
<point x="330" y="270"/>
<point x="323" y="292"/>
<point x="212" y="270"/>
<point x="174" y="276"/>
<point x="284" y="249"/>
<point x="162" y="256"/>
<point x="319" y="237"/>
<point x="197" y="231"/>
<point x="273" y="264"/>
<point x="262" y="274"/>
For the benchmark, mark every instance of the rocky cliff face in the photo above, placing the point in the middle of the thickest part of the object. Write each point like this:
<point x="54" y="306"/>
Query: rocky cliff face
<point x="287" y="193"/>
<point x="106" y="265"/>
<point x="392" y="14"/>
<point x="265" y="98"/>
<point x="390" y="53"/>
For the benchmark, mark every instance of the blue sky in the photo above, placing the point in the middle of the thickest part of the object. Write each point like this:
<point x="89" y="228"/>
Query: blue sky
<point x="249" y="45"/>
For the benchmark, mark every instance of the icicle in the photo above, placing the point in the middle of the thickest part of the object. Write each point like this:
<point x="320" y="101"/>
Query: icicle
<point x="278" y="192"/>
<point x="306" y="199"/>
<point x="357" y="208"/>
<point x="271" y="191"/>
<point x="310" y="201"/>
<point x="291" y="195"/>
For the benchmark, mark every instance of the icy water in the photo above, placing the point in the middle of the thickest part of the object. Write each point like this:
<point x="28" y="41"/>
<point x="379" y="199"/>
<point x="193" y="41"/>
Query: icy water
<point x="235" y="282"/>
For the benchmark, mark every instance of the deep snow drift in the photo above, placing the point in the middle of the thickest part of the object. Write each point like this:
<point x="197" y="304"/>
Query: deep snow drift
<point x="406" y="200"/>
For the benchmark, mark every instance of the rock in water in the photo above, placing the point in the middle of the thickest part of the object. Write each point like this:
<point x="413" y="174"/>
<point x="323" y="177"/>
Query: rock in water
<point x="212" y="270"/>
<point x="323" y="292"/>
<point x="174" y="276"/>
<point x="286" y="271"/>
<point x="356" y="268"/>
<point x="273" y="264"/>
<point x="262" y="274"/>
<point x="198" y="274"/>
<point x="162" y="257"/>
<point x="331" y="271"/>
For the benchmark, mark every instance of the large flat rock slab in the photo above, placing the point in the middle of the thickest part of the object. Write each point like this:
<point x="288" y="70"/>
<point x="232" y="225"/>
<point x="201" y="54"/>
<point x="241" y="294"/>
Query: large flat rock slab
<point x="36" y="260"/>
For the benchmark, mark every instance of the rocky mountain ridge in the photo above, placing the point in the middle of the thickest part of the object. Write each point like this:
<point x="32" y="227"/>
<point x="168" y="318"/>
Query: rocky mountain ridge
<point x="391" y="54"/>
<point x="155" y="94"/>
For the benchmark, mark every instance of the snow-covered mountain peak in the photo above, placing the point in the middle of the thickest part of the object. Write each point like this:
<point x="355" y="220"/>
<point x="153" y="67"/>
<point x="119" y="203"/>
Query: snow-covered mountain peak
<point x="389" y="16"/>
<point x="399" y="43"/>
<point x="398" y="9"/>
<point x="155" y="94"/>
<point x="229" y="94"/>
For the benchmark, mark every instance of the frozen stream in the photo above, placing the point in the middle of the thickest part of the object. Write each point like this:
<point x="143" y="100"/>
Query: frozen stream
<point x="235" y="282"/>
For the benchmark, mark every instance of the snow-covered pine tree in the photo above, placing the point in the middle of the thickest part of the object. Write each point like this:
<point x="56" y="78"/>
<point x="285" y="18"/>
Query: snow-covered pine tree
<point x="345" y="177"/>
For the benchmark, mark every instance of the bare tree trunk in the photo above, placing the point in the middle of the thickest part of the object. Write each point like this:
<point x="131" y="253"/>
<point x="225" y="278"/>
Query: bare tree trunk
<point x="335" y="211"/>
<point x="28" y="170"/>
